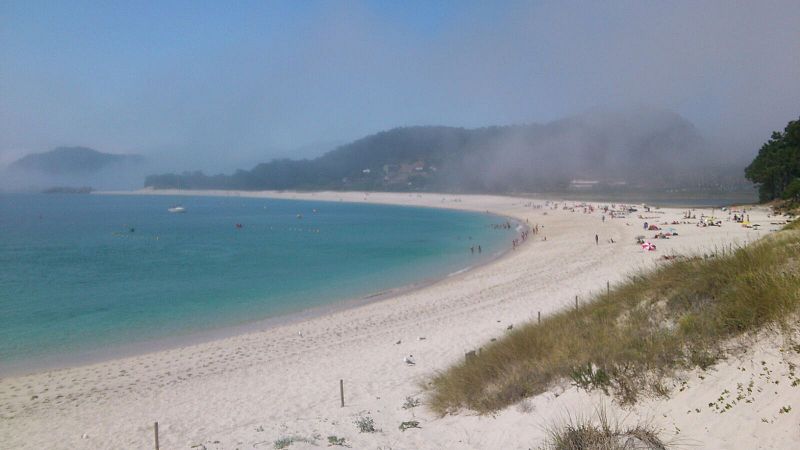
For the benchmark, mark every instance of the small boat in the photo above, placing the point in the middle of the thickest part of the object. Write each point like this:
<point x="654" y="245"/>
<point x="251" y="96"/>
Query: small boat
<point x="177" y="209"/>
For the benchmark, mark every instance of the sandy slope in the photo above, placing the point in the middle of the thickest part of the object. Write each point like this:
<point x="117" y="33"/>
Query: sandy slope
<point x="249" y="390"/>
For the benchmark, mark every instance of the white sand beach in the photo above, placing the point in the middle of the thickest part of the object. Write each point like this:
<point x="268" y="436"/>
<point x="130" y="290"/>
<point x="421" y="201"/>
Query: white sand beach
<point x="249" y="390"/>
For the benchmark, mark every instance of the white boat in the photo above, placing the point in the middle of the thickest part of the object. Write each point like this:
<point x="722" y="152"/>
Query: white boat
<point x="177" y="209"/>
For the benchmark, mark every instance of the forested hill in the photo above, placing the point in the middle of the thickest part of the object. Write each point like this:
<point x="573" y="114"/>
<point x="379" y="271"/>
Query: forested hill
<point x="71" y="161"/>
<point x="636" y="149"/>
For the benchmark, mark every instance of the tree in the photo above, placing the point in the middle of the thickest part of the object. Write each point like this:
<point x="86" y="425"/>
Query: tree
<point x="792" y="191"/>
<point x="776" y="168"/>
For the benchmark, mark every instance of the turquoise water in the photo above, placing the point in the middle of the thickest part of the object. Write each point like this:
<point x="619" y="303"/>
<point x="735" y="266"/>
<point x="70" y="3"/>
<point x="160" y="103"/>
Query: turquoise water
<point x="87" y="272"/>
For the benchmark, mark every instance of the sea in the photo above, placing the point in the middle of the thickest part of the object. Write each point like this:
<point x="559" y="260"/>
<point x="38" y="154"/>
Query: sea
<point x="84" y="275"/>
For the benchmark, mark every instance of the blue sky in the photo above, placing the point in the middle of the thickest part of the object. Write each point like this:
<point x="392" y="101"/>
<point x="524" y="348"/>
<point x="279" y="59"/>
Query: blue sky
<point x="219" y="85"/>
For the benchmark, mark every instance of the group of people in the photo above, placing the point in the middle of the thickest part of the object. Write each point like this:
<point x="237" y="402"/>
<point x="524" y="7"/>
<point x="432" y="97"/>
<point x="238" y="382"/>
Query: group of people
<point x="502" y="226"/>
<point x="520" y="240"/>
<point x="524" y="235"/>
<point x="741" y="218"/>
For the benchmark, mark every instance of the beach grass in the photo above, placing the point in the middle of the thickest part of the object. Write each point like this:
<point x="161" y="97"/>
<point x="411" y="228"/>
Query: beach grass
<point x="601" y="433"/>
<point x="629" y="341"/>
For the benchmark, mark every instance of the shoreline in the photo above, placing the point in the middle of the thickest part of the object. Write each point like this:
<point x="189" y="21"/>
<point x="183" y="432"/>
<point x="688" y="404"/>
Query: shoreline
<point x="250" y="389"/>
<point x="115" y="352"/>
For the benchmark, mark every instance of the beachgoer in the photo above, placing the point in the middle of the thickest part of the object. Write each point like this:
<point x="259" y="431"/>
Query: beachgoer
<point x="479" y="249"/>
<point x="596" y="240"/>
<point x="409" y="360"/>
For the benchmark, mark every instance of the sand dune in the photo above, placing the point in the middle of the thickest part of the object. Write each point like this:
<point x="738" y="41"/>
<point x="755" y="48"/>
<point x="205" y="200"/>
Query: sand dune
<point x="250" y="390"/>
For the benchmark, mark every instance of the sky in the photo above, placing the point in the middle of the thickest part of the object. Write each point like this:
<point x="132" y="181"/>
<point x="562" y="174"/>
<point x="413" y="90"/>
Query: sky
<point x="223" y="85"/>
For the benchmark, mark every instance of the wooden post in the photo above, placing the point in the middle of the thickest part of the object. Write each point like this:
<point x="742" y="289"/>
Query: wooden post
<point x="155" y="429"/>
<point x="608" y="288"/>
<point x="539" y="317"/>
<point x="576" y="302"/>
<point x="341" y="392"/>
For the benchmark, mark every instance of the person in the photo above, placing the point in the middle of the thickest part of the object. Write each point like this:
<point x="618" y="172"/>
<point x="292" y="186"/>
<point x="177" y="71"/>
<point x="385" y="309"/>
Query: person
<point x="596" y="240"/>
<point x="409" y="360"/>
<point x="479" y="249"/>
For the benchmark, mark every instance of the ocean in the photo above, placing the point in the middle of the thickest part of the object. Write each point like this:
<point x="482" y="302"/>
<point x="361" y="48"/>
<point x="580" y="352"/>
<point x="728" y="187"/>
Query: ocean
<point x="88" y="273"/>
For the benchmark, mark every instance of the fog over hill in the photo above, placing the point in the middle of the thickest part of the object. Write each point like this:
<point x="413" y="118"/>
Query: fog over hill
<point x="74" y="167"/>
<point x="640" y="148"/>
<point x="72" y="161"/>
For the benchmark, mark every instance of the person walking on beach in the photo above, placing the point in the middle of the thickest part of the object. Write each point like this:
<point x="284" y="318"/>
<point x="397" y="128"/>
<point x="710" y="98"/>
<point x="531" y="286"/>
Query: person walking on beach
<point x="479" y="249"/>
<point x="596" y="240"/>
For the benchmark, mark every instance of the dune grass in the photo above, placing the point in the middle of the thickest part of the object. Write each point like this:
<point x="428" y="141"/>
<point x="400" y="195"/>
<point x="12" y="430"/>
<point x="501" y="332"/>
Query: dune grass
<point x="626" y="342"/>
<point x="583" y="433"/>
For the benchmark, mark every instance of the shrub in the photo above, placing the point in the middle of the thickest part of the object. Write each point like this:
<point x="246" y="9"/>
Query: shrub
<point x="285" y="442"/>
<point x="335" y="440"/>
<point x="410" y="424"/>
<point x="365" y="424"/>
<point x="411" y="403"/>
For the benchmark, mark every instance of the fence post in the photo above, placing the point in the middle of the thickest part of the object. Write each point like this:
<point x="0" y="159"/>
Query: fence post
<point x="341" y="392"/>
<point x="576" y="302"/>
<point x="539" y="318"/>
<point x="155" y="429"/>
